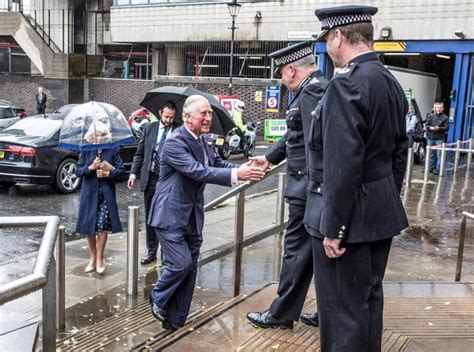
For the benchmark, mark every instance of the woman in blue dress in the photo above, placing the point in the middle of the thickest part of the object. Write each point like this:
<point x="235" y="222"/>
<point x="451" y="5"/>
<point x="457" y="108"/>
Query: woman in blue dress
<point x="98" y="211"/>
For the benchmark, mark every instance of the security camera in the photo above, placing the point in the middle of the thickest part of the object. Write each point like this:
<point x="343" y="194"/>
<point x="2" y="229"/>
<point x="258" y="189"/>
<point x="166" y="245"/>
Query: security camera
<point x="258" y="15"/>
<point x="459" y="33"/>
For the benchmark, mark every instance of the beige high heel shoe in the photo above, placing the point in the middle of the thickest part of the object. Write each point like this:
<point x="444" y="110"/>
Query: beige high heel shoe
<point x="100" y="270"/>
<point x="89" y="268"/>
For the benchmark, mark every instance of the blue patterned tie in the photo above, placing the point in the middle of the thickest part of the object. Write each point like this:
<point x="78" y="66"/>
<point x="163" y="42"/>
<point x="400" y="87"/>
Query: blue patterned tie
<point x="201" y="145"/>
<point x="159" y="147"/>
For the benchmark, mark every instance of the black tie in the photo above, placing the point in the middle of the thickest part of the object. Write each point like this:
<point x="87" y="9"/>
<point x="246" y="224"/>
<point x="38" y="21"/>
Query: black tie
<point x="159" y="147"/>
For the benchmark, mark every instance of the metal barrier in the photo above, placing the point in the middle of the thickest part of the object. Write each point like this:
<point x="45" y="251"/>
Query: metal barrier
<point x="48" y="275"/>
<point x="444" y="148"/>
<point x="409" y="170"/>
<point x="239" y="242"/>
<point x="462" y="239"/>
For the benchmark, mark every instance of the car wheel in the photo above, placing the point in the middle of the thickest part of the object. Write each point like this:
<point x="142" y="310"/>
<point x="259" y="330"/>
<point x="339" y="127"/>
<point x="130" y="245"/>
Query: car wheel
<point x="66" y="180"/>
<point x="6" y="184"/>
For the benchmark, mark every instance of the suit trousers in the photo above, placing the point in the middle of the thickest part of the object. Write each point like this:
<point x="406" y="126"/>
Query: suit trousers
<point x="174" y="289"/>
<point x="151" y="239"/>
<point x="297" y="267"/>
<point x="350" y="296"/>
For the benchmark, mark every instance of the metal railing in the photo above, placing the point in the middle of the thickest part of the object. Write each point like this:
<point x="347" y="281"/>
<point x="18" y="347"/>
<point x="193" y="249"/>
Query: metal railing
<point x="457" y="148"/>
<point x="48" y="275"/>
<point x="236" y="246"/>
<point x="462" y="239"/>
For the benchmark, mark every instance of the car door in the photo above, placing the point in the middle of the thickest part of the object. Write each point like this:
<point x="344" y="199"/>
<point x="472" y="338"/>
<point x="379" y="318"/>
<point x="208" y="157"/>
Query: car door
<point x="7" y="117"/>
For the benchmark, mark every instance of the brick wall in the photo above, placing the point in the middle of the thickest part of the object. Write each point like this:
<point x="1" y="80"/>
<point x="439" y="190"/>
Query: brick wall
<point x="20" y="89"/>
<point x="127" y="94"/>
<point x="243" y="88"/>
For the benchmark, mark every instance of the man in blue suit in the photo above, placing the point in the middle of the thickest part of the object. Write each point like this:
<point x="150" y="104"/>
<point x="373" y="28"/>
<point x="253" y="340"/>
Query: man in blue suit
<point x="188" y="163"/>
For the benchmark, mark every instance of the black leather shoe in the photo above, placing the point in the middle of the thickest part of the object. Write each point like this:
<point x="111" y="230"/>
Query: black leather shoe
<point x="310" y="319"/>
<point x="147" y="260"/>
<point x="158" y="313"/>
<point x="266" y="320"/>
<point x="169" y="326"/>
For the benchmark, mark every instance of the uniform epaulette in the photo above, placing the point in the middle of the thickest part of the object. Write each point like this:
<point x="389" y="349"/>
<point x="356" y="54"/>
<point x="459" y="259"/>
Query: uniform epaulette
<point x="346" y="70"/>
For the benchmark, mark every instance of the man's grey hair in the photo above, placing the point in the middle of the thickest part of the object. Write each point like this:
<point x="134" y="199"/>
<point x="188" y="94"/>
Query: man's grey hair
<point x="305" y="61"/>
<point x="190" y="105"/>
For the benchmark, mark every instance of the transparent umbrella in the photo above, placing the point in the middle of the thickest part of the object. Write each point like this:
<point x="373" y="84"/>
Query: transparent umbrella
<point x="94" y="126"/>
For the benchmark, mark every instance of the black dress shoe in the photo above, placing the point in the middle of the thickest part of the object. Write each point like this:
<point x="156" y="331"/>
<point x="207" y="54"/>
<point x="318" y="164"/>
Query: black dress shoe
<point x="147" y="260"/>
<point x="310" y="319"/>
<point x="158" y="313"/>
<point x="266" y="320"/>
<point x="169" y="326"/>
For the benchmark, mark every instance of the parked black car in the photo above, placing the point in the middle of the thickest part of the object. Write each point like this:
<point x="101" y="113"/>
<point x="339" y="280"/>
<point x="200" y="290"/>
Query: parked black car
<point x="29" y="154"/>
<point x="19" y="111"/>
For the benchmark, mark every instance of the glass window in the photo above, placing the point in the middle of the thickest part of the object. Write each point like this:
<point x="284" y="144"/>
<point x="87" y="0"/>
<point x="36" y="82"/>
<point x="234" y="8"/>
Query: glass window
<point x="6" y="113"/>
<point x="33" y="126"/>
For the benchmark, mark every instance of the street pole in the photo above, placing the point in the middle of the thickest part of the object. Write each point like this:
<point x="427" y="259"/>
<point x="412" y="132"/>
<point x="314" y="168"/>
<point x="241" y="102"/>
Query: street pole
<point x="231" y="55"/>
<point x="234" y="8"/>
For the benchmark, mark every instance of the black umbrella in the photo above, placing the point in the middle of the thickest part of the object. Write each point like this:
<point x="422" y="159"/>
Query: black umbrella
<point x="155" y="98"/>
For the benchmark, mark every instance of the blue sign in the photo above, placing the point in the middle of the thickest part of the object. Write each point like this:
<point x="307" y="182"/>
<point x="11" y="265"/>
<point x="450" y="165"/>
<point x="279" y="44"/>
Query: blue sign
<point x="272" y="98"/>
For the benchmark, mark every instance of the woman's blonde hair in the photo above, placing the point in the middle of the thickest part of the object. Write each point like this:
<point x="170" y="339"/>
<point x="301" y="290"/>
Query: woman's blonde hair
<point x="98" y="128"/>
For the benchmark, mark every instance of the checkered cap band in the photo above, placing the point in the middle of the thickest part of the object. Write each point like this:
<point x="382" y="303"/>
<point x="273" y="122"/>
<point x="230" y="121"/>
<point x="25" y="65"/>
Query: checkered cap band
<point x="337" y="21"/>
<point x="294" y="56"/>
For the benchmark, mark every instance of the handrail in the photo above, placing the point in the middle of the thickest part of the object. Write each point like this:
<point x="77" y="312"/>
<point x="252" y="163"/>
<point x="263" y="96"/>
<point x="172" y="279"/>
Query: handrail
<point x="43" y="276"/>
<point x="239" y="242"/>
<point x="242" y="187"/>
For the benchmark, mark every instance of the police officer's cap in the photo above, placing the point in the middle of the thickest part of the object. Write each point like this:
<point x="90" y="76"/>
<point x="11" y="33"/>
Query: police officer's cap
<point x="292" y="53"/>
<point x="333" y="17"/>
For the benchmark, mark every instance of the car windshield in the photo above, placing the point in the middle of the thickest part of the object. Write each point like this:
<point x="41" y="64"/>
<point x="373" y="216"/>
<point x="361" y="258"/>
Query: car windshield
<point x="33" y="127"/>
<point x="6" y="112"/>
<point x="64" y="109"/>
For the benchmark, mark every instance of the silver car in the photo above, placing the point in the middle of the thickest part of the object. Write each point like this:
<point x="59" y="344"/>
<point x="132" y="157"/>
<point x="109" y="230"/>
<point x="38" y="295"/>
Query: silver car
<point x="7" y="116"/>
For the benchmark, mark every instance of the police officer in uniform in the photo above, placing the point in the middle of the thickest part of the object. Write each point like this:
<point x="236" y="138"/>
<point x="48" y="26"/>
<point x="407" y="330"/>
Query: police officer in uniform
<point x="354" y="208"/>
<point x="300" y="75"/>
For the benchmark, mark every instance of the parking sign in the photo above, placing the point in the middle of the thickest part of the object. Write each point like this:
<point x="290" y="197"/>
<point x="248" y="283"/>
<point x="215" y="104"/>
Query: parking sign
<point x="272" y="98"/>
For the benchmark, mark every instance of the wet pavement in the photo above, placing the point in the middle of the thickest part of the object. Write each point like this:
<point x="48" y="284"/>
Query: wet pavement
<point x="424" y="253"/>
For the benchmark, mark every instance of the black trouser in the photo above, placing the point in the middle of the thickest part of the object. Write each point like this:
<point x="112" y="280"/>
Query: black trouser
<point x="41" y="110"/>
<point x="297" y="267"/>
<point x="151" y="239"/>
<point x="350" y="296"/>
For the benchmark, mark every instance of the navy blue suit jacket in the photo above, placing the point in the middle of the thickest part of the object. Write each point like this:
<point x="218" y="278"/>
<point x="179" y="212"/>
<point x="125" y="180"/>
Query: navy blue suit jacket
<point x="179" y="201"/>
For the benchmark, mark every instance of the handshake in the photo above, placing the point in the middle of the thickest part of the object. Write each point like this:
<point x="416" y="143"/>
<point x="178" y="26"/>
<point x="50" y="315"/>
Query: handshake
<point x="254" y="170"/>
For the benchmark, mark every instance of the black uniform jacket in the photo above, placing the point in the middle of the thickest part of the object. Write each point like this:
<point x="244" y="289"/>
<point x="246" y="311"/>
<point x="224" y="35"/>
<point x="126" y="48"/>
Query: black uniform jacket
<point x="292" y="145"/>
<point x="357" y="155"/>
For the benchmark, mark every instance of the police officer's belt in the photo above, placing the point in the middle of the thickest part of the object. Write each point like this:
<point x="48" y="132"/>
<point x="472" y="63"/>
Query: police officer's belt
<point x="372" y="175"/>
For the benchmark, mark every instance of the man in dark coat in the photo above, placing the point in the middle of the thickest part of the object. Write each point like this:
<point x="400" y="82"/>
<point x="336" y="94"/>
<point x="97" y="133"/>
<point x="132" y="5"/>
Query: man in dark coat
<point x="299" y="73"/>
<point x="40" y="98"/>
<point x="353" y="207"/>
<point x="146" y="162"/>
<point x="188" y="163"/>
<point x="436" y="129"/>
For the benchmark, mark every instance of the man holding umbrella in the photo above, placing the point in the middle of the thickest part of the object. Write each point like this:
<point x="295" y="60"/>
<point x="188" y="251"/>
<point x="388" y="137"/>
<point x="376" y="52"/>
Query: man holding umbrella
<point x="146" y="162"/>
<point x="188" y="163"/>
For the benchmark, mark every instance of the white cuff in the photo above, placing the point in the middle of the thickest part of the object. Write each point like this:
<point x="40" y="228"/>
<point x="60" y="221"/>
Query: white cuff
<point x="233" y="178"/>
<point x="132" y="177"/>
